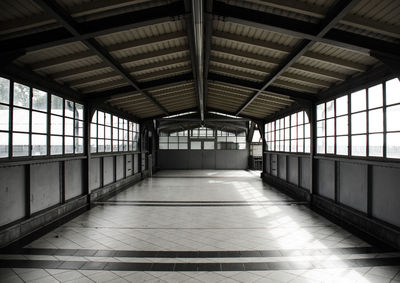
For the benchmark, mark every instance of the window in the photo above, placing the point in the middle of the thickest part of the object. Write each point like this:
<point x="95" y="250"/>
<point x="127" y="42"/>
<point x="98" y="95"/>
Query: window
<point x="66" y="126"/>
<point x="231" y="140"/>
<point x="289" y="134"/>
<point x="39" y="126"/>
<point x="110" y="133"/>
<point x="174" y="140"/>
<point x="365" y="121"/>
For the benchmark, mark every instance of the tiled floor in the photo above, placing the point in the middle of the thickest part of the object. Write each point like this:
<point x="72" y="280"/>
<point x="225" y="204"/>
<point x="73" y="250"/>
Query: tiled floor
<point x="200" y="226"/>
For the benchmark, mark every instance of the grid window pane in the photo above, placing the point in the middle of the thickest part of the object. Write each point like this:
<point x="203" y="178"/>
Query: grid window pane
<point x="330" y="109"/>
<point x="39" y="122"/>
<point x="56" y="145"/>
<point x="3" y="145"/>
<point x="195" y="145"/>
<point x="208" y="145"/>
<point x="320" y="145"/>
<point x="21" y="95"/>
<point x="93" y="145"/>
<point x="375" y="120"/>
<point x="39" y="100"/>
<point x="330" y="145"/>
<point x="330" y="127"/>
<point x="392" y="118"/>
<point x="342" y="145"/>
<point x="393" y="91"/>
<point x="342" y="105"/>
<point x="359" y="123"/>
<point x="307" y="145"/>
<point x="68" y="145"/>
<point x="300" y="145"/>
<point x="20" y="145"/>
<point x="39" y="145"/>
<point x="321" y="128"/>
<point x="375" y="145"/>
<point x="68" y="126"/>
<point x="69" y="109"/>
<point x="4" y="91"/>
<point x="359" y="145"/>
<point x="342" y="125"/>
<point x="78" y="145"/>
<point x="393" y="145"/>
<point x="375" y="96"/>
<point x="57" y="106"/>
<point x="20" y="120"/>
<point x="321" y="111"/>
<point x="79" y="111"/>
<point x="358" y="101"/>
<point x="4" y="118"/>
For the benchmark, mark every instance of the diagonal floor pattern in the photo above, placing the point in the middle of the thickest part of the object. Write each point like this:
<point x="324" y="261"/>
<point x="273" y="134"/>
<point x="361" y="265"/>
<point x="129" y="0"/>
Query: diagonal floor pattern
<point x="200" y="226"/>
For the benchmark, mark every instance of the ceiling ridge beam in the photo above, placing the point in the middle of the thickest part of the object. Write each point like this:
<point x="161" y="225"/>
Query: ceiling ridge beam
<point x="54" y="9"/>
<point x="334" y="16"/>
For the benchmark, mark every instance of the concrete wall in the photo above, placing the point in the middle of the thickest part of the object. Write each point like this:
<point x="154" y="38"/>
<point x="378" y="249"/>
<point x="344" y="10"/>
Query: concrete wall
<point x="202" y="159"/>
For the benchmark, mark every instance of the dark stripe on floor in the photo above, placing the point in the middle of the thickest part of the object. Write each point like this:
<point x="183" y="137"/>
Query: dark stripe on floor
<point x="205" y="201"/>
<point x="194" y="254"/>
<point x="197" y="204"/>
<point x="235" y="266"/>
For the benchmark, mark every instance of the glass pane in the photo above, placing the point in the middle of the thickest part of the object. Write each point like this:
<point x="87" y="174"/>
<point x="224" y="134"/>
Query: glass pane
<point x="21" y="120"/>
<point x="56" y="125"/>
<point x="321" y="111"/>
<point x="293" y="120"/>
<point x="241" y="145"/>
<point x="358" y="101"/>
<point x="359" y="123"/>
<point x="321" y="129"/>
<point x="375" y="120"/>
<point x="320" y="145"/>
<point x="287" y="121"/>
<point x="39" y="145"/>
<point x="375" y="145"/>
<point x="78" y="128"/>
<point x="69" y="109"/>
<point x="300" y="132"/>
<point x="100" y="131"/>
<point x="20" y="145"/>
<point x="78" y="145"/>
<point x="108" y="132"/>
<point x="93" y="130"/>
<point x="163" y="146"/>
<point x="56" y="145"/>
<point x="307" y="130"/>
<point x="173" y="146"/>
<point x="68" y="145"/>
<point x="94" y="117"/>
<point x="359" y="145"/>
<point x="330" y="109"/>
<point x="57" y="105"/>
<point x="134" y="146"/>
<point x="4" y="91"/>
<point x="293" y="145"/>
<point x="393" y="145"/>
<point x="69" y="126"/>
<point x="341" y="125"/>
<point x="39" y="100"/>
<point x="183" y="145"/>
<point x="100" y="117"/>
<point x="79" y="111"/>
<point x="330" y="145"/>
<point x="375" y="96"/>
<point x="307" y="145"/>
<point x="108" y="119"/>
<point x="392" y="91"/>
<point x="300" y="117"/>
<point x="93" y="145"/>
<point x="115" y="145"/>
<point x="293" y="133"/>
<point x="21" y="95"/>
<point x="208" y="145"/>
<point x="4" y="117"/>
<point x="300" y="145"/>
<point x="100" y="145"/>
<point x="3" y="145"/>
<point x="195" y="145"/>
<point x="330" y="127"/>
<point x="108" y="145"/>
<point x="342" y="145"/>
<point x="341" y="106"/>
<point x="392" y="118"/>
<point x="115" y="133"/>
<point x="39" y="122"/>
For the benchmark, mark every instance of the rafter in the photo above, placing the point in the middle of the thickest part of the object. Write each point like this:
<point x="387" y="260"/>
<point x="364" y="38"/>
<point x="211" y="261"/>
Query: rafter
<point x="69" y="24"/>
<point x="333" y="17"/>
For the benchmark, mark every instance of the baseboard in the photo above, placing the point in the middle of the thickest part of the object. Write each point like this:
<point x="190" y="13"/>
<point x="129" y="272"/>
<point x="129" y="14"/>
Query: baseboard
<point x="294" y="191"/>
<point x="374" y="230"/>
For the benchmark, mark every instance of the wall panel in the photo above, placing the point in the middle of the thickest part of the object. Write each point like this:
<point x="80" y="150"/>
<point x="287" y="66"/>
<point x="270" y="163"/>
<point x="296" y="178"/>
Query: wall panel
<point x="94" y="176"/>
<point x="128" y="165"/>
<point x="45" y="186"/>
<point x="293" y="170"/>
<point x="326" y="178"/>
<point x="282" y="167"/>
<point x="12" y="192"/>
<point x="120" y="167"/>
<point x="305" y="169"/>
<point x="73" y="179"/>
<point x="108" y="170"/>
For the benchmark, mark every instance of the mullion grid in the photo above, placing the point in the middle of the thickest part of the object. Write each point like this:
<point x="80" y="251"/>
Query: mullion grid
<point x="282" y="135"/>
<point x="7" y="130"/>
<point x="353" y="133"/>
